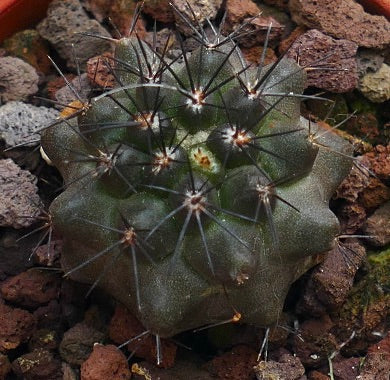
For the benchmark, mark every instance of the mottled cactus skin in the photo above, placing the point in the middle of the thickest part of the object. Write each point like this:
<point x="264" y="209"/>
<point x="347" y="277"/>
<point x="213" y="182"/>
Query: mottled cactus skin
<point x="213" y="205"/>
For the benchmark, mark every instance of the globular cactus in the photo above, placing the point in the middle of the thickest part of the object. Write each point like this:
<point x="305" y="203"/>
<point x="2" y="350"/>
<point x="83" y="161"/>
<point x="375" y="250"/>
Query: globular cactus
<point x="194" y="190"/>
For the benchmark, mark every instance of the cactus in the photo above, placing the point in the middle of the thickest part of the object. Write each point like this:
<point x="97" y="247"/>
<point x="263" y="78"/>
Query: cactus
<point x="194" y="190"/>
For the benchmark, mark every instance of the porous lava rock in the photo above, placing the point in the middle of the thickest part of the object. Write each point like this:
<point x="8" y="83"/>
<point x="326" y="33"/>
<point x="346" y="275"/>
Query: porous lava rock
<point x="99" y="70"/>
<point x="202" y="10"/>
<point x="352" y="217"/>
<point x="80" y="84"/>
<point x="376" y="86"/>
<point x="330" y="282"/>
<point x="376" y="364"/>
<point x="44" y="339"/>
<point x="16" y="327"/>
<point x="105" y="362"/>
<point x="159" y="10"/>
<point x="345" y="368"/>
<point x="286" y="367"/>
<point x="253" y="55"/>
<point x="368" y="61"/>
<point x="315" y="342"/>
<point x="236" y="364"/>
<point x="344" y="19"/>
<point x="367" y="308"/>
<point x="120" y="14"/>
<point x="77" y="343"/>
<point x="379" y="161"/>
<point x="19" y="201"/>
<point x="246" y="11"/>
<point x="20" y="122"/>
<point x="63" y="27"/>
<point x="378" y="226"/>
<point x="32" y="288"/>
<point x="18" y="79"/>
<point x="332" y="61"/>
<point x="39" y="364"/>
<point x="124" y="327"/>
<point x="48" y="254"/>
<point x="5" y="366"/>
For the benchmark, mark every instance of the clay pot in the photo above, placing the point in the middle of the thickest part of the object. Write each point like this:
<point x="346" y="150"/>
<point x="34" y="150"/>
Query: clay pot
<point x="17" y="15"/>
<point x="380" y="7"/>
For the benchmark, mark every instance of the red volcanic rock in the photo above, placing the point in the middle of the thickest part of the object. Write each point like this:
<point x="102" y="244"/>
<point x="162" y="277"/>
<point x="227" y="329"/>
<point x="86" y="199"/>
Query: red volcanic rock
<point x="31" y="288"/>
<point x="16" y="327"/>
<point x="159" y="10"/>
<point x="342" y="19"/>
<point x="330" y="282"/>
<point x="378" y="226"/>
<point x="236" y="364"/>
<point x="379" y="160"/>
<point x="57" y="83"/>
<point x="239" y="12"/>
<point x="99" y="71"/>
<point x="38" y="364"/>
<point x="352" y="217"/>
<point x="377" y="362"/>
<point x="253" y="55"/>
<point x="345" y="368"/>
<point x="48" y="254"/>
<point x="331" y="63"/>
<point x="315" y="342"/>
<point x="5" y="366"/>
<point x="124" y="326"/>
<point x="105" y="362"/>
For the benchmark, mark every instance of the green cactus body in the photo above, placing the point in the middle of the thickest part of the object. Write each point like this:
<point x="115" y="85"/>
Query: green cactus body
<point x="195" y="186"/>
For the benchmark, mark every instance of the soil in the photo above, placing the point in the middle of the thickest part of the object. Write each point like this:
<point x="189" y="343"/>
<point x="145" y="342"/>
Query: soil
<point x="335" y="324"/>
